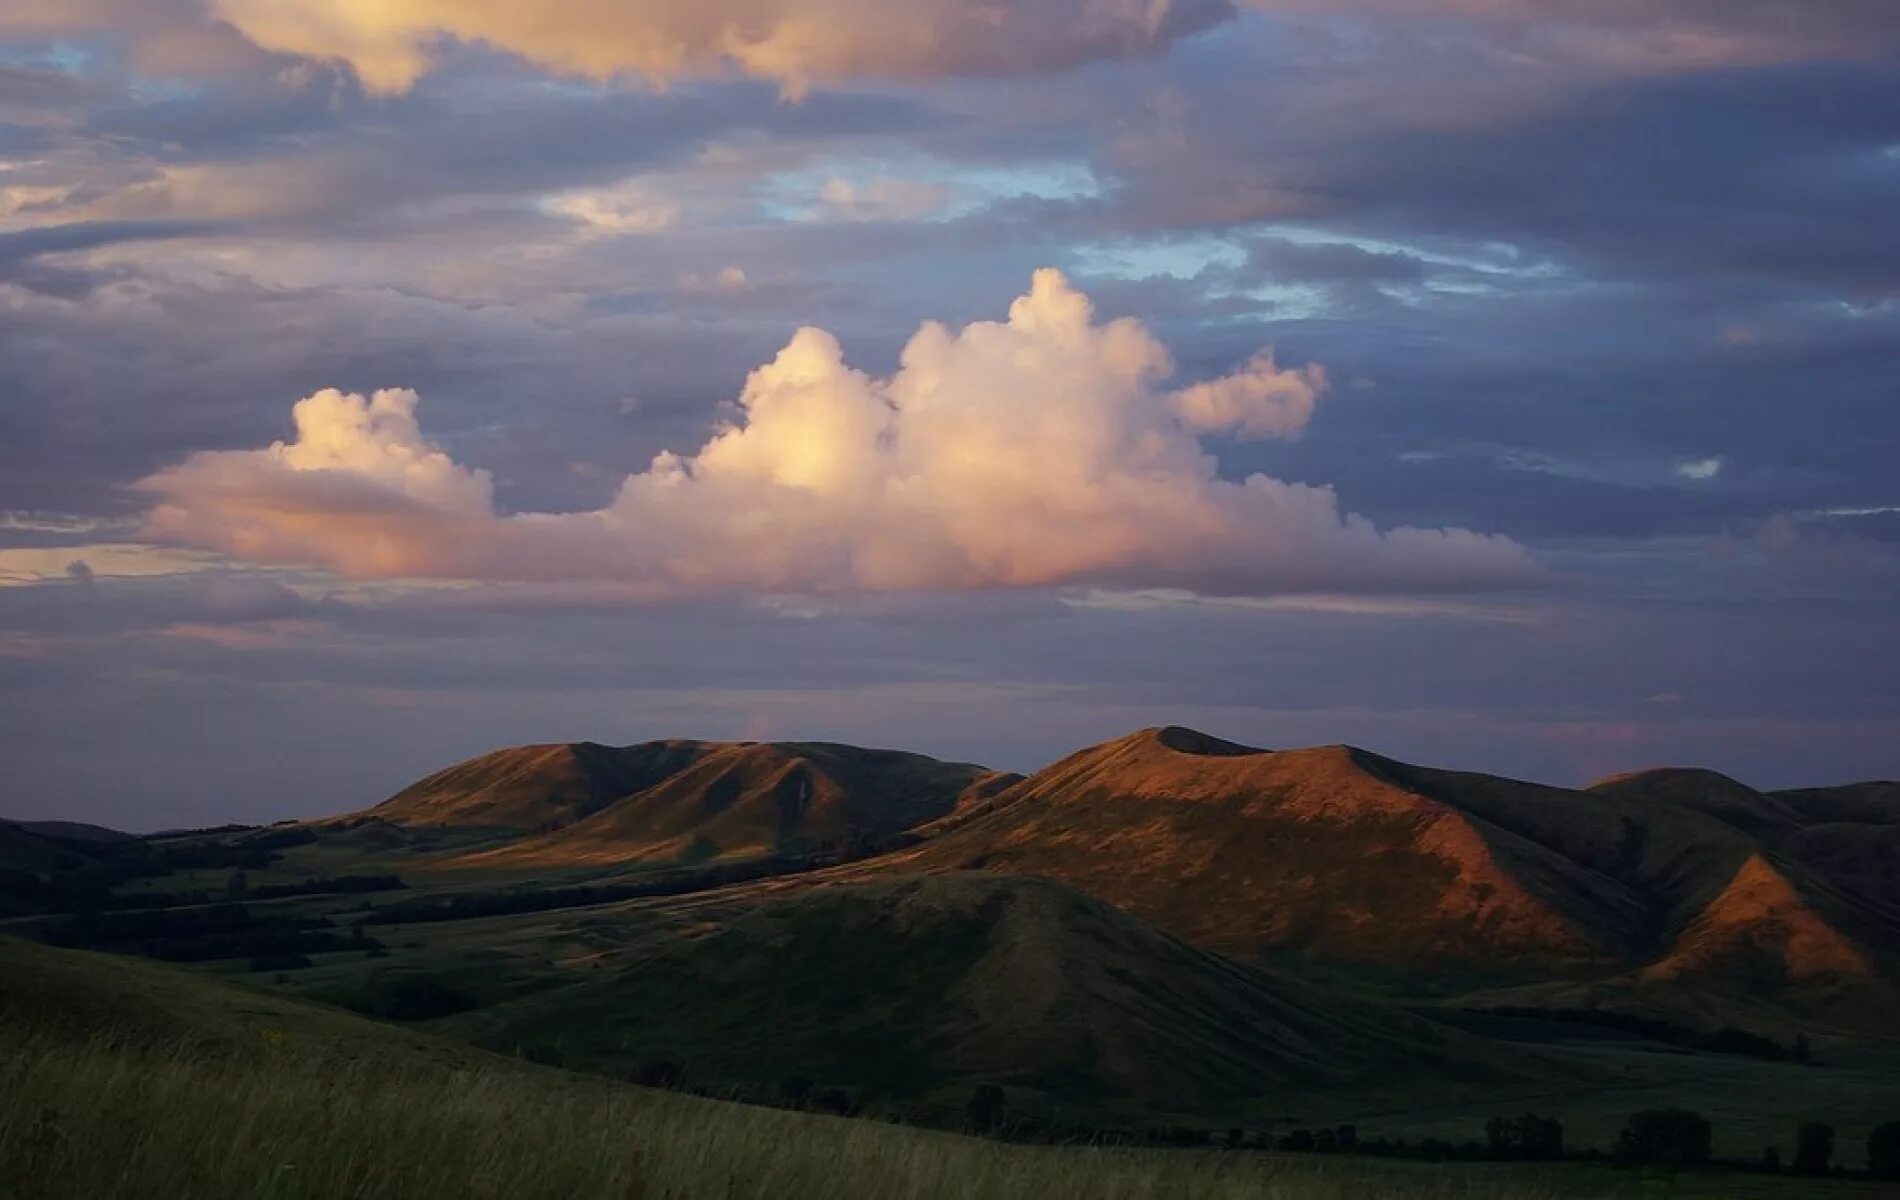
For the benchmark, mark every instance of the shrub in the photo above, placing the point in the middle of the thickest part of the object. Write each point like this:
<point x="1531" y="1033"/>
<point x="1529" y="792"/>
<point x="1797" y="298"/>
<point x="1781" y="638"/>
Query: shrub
<point x="1664" y="1137"/>
<point x="1528" y="1137"/>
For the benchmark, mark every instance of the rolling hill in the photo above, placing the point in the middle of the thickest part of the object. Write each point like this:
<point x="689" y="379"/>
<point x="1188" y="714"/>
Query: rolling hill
<point x="914" y="990"/>
<point x="129" y="1078"/>
<point x="584" y="804"/>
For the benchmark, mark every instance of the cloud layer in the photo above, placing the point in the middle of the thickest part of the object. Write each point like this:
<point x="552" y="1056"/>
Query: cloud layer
<point x="1040" y="450"/>
<point x="795" y="43"/>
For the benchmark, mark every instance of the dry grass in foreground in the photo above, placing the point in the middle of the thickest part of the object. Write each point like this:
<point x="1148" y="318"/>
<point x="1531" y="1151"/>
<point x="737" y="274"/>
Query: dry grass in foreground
<point x="94" y="1118"/>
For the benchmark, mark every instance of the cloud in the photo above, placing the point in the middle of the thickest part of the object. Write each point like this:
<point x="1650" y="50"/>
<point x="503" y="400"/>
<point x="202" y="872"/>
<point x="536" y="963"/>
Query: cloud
<point x="1035" y="451"/>
<point x="1259" y="401"/>
<point x="795" y="43"/>
<point x="1643" y="36"/>
<point x="1700" y="469"/>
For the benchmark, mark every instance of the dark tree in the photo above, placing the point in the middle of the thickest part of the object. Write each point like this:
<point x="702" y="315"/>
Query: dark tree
<point x="1236" y="1138"/>
<point x="1770" y="1161"/>
<point x="985" y="1109"/>
<point x="1300" y="1141"/>
<point x="237" y="884"/>
<point x="1883" y="1151"/>
<point x="1664" y="1137"/>
<point x="1802" y="1051"/>
<point x="1813" y="1148"/>
<point x="1347" y="1138"/>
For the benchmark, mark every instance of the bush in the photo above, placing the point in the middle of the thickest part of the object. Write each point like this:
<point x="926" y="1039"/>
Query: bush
<point x="1664" y="1137"/>
<point x="1525" y="1137"/>
<point x="1883" y="1151"/>
<point x="1813" y="1148"/>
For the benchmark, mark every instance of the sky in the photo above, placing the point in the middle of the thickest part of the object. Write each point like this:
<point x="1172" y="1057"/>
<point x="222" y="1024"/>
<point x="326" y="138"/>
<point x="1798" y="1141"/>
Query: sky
<point x="1509" y="385"/>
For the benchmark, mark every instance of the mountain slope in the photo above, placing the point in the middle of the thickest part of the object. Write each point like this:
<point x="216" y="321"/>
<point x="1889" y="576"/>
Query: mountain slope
<point x="918" y="988"/>
<point x="528" y="788"/>
<point x="682" y="801"/>
<point x="1674" y="879"/>
<point x="1250" y="852"/>
<point x="749" y="800"/>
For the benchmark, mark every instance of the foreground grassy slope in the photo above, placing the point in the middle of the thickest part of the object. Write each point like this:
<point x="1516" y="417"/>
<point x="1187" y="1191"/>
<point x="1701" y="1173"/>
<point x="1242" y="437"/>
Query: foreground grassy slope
<point x="130" y="1079"/>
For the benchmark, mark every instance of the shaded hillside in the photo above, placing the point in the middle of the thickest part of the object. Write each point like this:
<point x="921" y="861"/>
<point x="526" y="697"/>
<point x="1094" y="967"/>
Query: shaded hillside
<point x="171" y="1086"/>
<point x="71" y="831"/>
<point x="1678" y="878"/>
<point x="23" y="850"/>
<point x="753" y="799"/>
<point x="79" y="994"/>
<point x="918" y="989"/>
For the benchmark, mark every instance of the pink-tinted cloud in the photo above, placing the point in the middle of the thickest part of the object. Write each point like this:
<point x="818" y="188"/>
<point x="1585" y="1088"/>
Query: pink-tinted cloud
<point x="795" y="43"/>
<point x="1040" y="450"/>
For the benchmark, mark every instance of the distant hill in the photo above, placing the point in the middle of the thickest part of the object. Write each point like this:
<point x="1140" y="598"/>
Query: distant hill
<point x="71" y="831"/>
<point x="525" y="789"/>
<point x="23" y="850"/>
<point x="1675" y="879"/>
<point x="920" y="988"/>
<point x="684" y="801"/>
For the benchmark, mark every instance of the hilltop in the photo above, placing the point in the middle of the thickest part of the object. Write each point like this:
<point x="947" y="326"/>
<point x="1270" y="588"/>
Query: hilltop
<point x="677" y="801"/>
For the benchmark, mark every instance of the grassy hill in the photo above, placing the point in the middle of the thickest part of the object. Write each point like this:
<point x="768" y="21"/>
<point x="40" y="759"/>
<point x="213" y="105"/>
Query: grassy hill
<point x="584" y="805"/>
<point x="131" y="1079"/>
<point x="910" y="992"/>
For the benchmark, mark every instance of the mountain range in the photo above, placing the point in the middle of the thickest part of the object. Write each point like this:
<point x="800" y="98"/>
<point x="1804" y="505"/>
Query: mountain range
<point x="1163" y="923"/>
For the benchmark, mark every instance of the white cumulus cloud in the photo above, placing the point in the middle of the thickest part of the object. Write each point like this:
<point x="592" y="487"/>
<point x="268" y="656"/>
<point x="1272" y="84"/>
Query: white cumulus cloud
<point x="1040" y="450"/>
